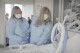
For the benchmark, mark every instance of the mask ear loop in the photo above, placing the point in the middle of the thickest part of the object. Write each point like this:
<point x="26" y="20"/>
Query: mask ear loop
<point x="60" y="47"/>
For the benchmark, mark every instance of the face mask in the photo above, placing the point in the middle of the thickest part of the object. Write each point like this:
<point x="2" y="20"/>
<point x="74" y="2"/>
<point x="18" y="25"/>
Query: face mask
<point x="45" y="16"/>
<point x="18" y="15"/>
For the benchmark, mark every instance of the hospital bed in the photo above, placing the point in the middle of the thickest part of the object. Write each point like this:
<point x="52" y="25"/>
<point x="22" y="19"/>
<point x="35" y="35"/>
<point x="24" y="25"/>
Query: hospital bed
<point x="73" y="26"/>
<point x="63" y="41"/>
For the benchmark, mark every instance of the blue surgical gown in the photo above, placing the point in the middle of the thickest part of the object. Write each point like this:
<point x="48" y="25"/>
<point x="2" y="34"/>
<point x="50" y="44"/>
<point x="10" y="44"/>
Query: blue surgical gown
<point x="40" y="35"/>
<point x="18" y="31"/>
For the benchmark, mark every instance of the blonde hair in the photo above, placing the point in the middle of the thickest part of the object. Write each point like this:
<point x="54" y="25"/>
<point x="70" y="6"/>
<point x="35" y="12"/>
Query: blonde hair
<point x="41" y="16"/>
<point x="14" y="10"/>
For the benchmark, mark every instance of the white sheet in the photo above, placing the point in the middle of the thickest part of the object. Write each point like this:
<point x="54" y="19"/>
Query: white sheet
<point x="32" y="49"/>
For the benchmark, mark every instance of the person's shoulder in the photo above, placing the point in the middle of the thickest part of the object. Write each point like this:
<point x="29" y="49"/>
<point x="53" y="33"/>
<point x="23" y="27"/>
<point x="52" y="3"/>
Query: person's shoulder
<point x="11" y="20"/>
<point x="24" y="19"/>
<point x="50" y="24"/>
<point x="34" y="18"/>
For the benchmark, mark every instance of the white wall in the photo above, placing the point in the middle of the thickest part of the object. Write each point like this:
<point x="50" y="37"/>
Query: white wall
<point x="56" y="10"/>
<point x="61" y="10"/>
<point x="2" y="23"/>
<point x="19" y="1"/>
<point x="27" y="10"/>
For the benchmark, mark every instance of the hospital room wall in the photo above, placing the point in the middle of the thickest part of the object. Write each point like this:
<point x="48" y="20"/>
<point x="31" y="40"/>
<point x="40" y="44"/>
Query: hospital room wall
<point x="2" y="23"/>
<point x="56" y="10"/>
<point x="19" y="1"/>
<point x="58" y="6"/>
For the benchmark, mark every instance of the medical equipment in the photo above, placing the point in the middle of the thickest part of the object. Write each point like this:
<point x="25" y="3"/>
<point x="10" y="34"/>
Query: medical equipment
<point x="74" y="25"/>
<point x="62" y="43"/>
<point x="73" y="45"/>
<point x="70" y="18"/>
<point x="69" y="12"/>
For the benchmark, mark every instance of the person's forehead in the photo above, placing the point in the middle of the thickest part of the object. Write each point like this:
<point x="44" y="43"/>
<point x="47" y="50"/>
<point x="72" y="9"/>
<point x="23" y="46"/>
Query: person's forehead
<point x="46" y="11"/>
<point x="18" y="11"/>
